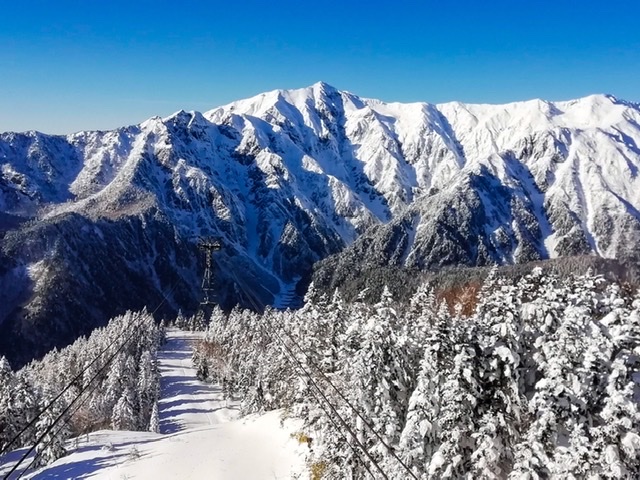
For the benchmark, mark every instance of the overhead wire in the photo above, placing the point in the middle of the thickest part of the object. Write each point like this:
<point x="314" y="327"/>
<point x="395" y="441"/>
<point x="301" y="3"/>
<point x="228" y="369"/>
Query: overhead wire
<point x="95" y="386"/>
<point x="331" y="407"/>
<point x="74" y="380"/>
<point x="346" y="400"/>
<point x="62" y="392"/>
<point x="292" y="356"/>
<point x="333" y="421"/>
<point x="72" y="403"/>
<point x="65" y="411"/>
<point x="69" y="417"/>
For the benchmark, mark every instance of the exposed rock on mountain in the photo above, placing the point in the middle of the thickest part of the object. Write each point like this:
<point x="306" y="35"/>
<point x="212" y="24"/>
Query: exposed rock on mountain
<point x="97" y="222"/>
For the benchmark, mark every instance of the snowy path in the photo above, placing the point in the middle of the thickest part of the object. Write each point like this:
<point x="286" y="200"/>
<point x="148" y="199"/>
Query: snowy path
<point x="201" y="436"/>
<point x="187" y="403"/>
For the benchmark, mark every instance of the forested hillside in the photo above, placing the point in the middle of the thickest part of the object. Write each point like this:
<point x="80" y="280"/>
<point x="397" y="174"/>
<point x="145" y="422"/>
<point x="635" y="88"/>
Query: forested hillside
<point x="541" y="379"/>
<point x="109" y="380"/>
<point x="344" y="273"/>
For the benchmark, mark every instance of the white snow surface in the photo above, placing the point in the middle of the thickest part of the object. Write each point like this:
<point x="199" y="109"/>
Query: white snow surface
<point x="343" y="163"/>
<point x="201" y="436"/>
<point x="580" y="153"/>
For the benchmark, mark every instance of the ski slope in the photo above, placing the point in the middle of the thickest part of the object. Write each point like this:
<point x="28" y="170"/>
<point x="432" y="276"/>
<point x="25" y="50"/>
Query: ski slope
<point x="202" y="436"/>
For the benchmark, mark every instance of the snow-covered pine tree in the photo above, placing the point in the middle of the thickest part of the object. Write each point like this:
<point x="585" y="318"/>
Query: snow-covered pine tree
<point x="8" y="427"/>
<point x="337" y="321"/>
<point x="418" y="320"/>
<point x="162" y="332"/>
<point x="615" y="437"/>
<point x="113" y="385"/>
<point x="327" y="322"/>
<point x="181" y="321"/>
<point x="274" y="384"/>
<point x="124" y="414"/>
<point x="147" y="387"/>
<point x="380" y="378"/>
<point x="52" y="445"/>
<point x="154" y="420"/>
<point x="497" y="330"/>
<point x="420" y="436"/>
<point x="18" y="406"/>
<point x="554" y="404"/>
<point x="460" y="393"/>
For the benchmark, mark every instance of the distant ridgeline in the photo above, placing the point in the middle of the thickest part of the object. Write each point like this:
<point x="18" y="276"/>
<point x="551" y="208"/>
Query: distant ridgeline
<point x="97" y="223"/>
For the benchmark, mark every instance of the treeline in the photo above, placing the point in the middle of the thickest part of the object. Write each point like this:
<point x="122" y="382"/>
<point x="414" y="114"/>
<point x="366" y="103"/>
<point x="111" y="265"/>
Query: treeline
<point x="540" y="380"/>
<point x="403" y="282"/>
<point x="114" y="372"/>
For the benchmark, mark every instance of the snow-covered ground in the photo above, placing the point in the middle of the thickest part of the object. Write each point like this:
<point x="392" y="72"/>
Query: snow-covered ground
<point x="185" y="402"/>
<point x="201" y="436"/>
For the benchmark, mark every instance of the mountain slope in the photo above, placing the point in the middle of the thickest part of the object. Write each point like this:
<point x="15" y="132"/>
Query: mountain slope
<point x="289" y="177"/>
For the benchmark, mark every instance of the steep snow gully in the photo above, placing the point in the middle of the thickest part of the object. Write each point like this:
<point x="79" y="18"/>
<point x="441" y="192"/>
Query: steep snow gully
<point x="201" y="436"/>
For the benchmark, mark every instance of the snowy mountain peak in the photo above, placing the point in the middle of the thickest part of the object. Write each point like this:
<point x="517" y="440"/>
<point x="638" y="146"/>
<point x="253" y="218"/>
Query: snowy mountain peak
<point x="289" y="177"/>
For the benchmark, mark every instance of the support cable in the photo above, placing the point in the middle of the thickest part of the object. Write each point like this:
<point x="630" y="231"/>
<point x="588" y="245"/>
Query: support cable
<point x="333" y="409"/>
<point x="64" y="390"/>
<point x="69" y="417"/>
<point x="320" y="392"/>
<point x="346" y="400"/>
<point x="66" y="410"/>
<point x="73" y="381"/>
<point x="100" y="371"/>
<point x="310" y="362"/>
<point x="95" y="386"/>
<point x="339" y="431"/>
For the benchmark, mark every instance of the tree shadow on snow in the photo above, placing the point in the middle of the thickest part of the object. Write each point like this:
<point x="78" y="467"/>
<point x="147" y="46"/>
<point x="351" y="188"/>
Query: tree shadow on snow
<point x="168" y="407"/>
<point x="175" y="354"/>
<point x="81" y="468"/>
<point x="168" y="427"/>
<point x="178" y="385"/>
<point x="87" y="467"/>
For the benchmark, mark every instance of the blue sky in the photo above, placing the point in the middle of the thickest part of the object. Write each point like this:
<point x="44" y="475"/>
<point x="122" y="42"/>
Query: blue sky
<point x="75" y="65"/>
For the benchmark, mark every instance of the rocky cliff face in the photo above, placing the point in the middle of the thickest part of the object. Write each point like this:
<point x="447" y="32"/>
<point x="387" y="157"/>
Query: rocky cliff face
<point x="97" y="222"/>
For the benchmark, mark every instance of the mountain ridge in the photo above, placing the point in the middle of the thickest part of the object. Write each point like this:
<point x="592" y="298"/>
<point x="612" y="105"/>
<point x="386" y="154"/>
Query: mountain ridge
<point x="289" y="177"/>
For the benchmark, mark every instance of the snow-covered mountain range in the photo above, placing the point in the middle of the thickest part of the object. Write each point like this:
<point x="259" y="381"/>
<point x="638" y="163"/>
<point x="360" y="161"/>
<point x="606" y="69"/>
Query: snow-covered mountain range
<point x="97" y="222"/>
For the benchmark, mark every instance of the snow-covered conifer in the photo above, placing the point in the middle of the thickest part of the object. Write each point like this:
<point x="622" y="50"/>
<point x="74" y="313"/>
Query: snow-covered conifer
<point x="147" y="387"/>
<point x="154" y="420"/>
<point x="124" y="414"/>
<point x="52" y="445"/>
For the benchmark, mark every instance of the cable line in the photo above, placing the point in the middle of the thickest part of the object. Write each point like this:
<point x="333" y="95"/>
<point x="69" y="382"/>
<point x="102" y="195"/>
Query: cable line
<point x="337" y="427"/>
<point x="69" y="417"/>
<point x="66" y="410"/>
<point x="69" y="385"/>
<point x="390" y="449"/>
<point x="95" y="386"/>
<point x="315" y="385"/>
<point x="137" y="326"/>
<point x="5" y="449"/>
<point x="346" y="400"/>
<point x="330" y="405"/>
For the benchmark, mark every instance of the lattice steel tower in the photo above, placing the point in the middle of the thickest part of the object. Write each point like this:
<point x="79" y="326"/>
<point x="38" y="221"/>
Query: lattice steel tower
<point x="209" y="246"/>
